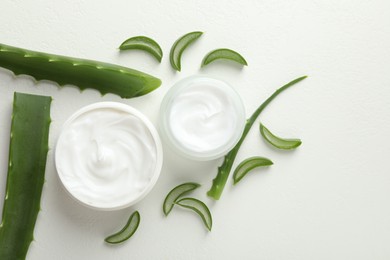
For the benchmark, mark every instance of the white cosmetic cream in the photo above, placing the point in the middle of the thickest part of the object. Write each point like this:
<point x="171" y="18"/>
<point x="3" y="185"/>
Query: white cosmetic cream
<point x="108" y="155"/>
<point x="202" y="118"/>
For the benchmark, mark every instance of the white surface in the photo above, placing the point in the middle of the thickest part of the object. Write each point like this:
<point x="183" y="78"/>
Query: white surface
<point x="327" y="200"/>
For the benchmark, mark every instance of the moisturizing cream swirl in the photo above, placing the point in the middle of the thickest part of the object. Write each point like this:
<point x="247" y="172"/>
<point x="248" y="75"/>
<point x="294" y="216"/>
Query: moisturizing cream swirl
<point x="203" y="116"/>
<point x="106" y="157"/>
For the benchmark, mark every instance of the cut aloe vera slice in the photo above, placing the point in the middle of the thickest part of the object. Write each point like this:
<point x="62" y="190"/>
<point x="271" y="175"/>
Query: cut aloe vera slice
<point x="278" y="142"/>
<point x="249" y="164"/>
<point x="176" y="193"/>
<point x="127" y="231"/>
<point x="200" y="208"/>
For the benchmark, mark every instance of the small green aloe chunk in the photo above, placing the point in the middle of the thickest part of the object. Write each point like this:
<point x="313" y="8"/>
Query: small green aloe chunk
<point x="226" y="54"/>
<point x="127" y="231"/>
<point x="278" y="142"/>
<point x="249" y="164"/>
<point x="26" y="173"/>
<point x="143" y="43"/>
<point x="176" y="193"/>
<point x="200" y="208"/>
<point x="179" y="46"/>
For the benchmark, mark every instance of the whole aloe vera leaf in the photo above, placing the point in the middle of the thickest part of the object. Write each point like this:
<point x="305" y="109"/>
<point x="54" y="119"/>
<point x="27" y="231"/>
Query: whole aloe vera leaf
<point x="220" y="180"/>
<point x="104" y="77"/>
<point x="26" y="173"/>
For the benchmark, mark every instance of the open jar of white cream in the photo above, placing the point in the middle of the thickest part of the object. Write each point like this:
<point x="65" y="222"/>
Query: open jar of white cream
<point x="108" y="156"/>
<point x="202" y="118"/>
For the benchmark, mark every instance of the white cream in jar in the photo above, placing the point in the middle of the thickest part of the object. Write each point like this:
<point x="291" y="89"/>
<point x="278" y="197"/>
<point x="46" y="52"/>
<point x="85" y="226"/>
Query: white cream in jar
<point x="202" y="117"/>
<point x="108" y="155"/>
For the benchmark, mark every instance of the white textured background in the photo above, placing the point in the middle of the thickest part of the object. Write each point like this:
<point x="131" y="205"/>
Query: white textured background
<point x="329" y="199"/>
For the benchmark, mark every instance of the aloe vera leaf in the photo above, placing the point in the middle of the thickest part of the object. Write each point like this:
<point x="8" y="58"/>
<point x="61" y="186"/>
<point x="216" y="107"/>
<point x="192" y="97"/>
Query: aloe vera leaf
<point x="127" y="231"/>
<point x="226" y="54"/>
<point x="249" y="164"/>
<point x="104" y="77"/>
<point x="179" y="46"/>
<point x="278" y="142"/>
<point x="200" y="208"/>
<point x="143" y="43"/>
<point x="26" y="173"/>
<point x="220" y="180"/>
<point x="176" y="193"/>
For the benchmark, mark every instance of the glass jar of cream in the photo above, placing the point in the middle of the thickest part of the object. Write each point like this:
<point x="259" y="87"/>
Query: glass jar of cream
<point x="202" y="118"/>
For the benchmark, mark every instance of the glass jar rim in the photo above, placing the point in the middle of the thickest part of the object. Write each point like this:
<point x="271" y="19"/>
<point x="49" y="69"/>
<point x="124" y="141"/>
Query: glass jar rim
<point x="167" y="132"/>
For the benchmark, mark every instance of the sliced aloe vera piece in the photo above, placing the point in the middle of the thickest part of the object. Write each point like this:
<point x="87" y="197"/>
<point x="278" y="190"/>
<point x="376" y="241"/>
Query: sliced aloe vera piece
<point x="127" y="231"/>
<point x="200" y="208"/>
<point x="278" y="142"/>
<point x="249" y="164"/>
<point x="179" y="46"/>
<point x="143" y="43"/>
<point x="26" y="173"/>
<point x="226" y="54"/>
<point x="176" y="193"/>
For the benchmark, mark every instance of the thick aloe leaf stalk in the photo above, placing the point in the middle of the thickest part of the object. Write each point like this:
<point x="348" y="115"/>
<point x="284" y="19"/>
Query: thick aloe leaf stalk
<point x="26" y="173"/>
<point x="220" y="180"/>
<point x="104" y="77"/>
